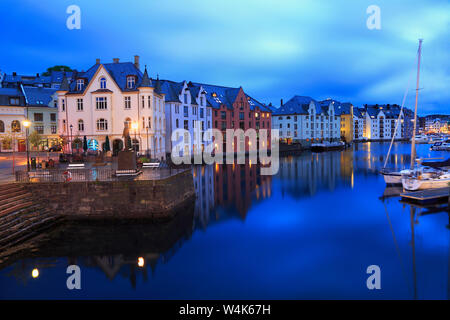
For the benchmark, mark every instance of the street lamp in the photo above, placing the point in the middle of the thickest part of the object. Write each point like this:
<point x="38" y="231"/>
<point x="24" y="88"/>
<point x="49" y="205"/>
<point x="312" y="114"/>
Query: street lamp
<point x="71" y="146"/>
<point x="134" y="126"/>
<point x="27" y="123"/>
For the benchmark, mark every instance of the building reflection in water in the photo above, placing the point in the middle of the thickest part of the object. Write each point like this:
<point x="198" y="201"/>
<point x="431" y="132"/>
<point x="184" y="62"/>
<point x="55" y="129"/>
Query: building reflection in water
<point x="308" y="173"/>
<point x="236" y="185"/>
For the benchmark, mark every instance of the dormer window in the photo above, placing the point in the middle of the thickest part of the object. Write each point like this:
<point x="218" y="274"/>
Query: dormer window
<point x="80" y="84"/>
<point x="131" y="81"/>
<point x="103" y="83"/>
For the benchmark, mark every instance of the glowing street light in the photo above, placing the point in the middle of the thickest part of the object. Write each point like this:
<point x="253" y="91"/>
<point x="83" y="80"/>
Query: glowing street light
<point x="141" y="262"/>
<point x="35" y="273"/>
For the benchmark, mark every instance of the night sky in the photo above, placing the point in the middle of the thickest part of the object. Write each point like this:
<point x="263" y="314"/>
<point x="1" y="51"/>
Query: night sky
<point x="273" y="49"/>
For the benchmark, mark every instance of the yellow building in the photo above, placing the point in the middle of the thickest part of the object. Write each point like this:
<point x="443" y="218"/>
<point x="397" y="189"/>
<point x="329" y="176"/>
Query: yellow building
<point x="345" y="111"/>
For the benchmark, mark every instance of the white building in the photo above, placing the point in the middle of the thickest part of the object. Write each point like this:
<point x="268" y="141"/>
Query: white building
<point x="186" y="106"/>
<point x="108" y="97"/>
<point x="380" y="122"/>
<point x="358" y="124"/>
<point x="304" y="120"/>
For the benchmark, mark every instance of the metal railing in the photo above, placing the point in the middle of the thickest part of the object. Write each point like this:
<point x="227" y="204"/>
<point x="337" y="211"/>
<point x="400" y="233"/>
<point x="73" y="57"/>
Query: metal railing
<point x="92" y="174"/>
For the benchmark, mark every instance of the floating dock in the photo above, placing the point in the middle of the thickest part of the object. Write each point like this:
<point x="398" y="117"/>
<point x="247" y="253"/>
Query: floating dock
<point x="428" y="195"/>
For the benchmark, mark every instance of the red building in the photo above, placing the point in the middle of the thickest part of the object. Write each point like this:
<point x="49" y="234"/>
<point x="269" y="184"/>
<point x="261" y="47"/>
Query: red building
<point x="232" y="108"/>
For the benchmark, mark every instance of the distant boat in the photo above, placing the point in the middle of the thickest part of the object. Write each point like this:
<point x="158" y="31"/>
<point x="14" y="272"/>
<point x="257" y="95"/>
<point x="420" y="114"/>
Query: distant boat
<point x="325" y="146"/>
<point x="421" y="138"/>
<point x="441" y="146"/>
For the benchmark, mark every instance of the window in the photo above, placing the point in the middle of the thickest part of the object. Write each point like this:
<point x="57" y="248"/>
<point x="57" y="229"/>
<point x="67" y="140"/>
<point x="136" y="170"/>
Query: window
<point x="208" y="112"/>
<point x="127" y="102"/>
<point x="38" y="117"/>
<point x="2" y="126"/>
<point x="143" y="102"/>
<point x="14" y="101"/>
<point x="131" y="80"/>
<point x="177" y="109"/>
<point x="186" y="111"/>
<point x="63" y="105"/>
<point x="241" y="116"/>
<point x="80" y="125"/>
<point x="101" y="103"/>
<point x="202" y="101"/>
<point x="143" y="122"/>
<point x="194" y="111"/>
<point x="52" y="116"/>
<point x="80" y="84"/>
<point x="15" y="126"/>
<point x="177" y="123"/>
<point x="185" y="98"/>
<point x="186" y="124"/>
<point x="39" y="129"/>
<point x="53" y="129"/>
<point x="149" y="124"/>
<point x="79" y="104"/>
<point x="102" y="125"/>
<point x="102" y="83"/>
<point x="149" y="102"/>
<point x="201" y="113"/>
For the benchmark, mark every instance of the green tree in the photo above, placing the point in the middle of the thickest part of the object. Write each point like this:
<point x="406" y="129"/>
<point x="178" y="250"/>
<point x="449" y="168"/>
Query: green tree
<point x="57" y="68"/>
<point x="35" y="139"/>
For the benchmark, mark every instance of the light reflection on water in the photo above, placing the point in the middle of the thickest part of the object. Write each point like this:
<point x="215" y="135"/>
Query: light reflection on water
<point x="308" y="232"/>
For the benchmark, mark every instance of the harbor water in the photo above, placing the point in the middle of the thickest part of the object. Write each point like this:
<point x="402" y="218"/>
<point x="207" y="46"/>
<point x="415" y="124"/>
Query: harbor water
<point x="308" y="232"/>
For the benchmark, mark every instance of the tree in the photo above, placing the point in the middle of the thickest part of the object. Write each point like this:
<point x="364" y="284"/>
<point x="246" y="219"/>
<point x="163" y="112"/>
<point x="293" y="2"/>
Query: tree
<point x="85" y="146"/>
<point x="7" y="141"/>
<point x="106" y="146"/>
<point x="57" y="68"/>
<point x="35" y="139"/>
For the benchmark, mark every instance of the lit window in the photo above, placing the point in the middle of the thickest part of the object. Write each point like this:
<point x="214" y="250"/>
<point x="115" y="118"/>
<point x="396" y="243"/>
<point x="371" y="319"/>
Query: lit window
<point x="80" y="84"/>
<point x="102" y="125"/>
<point x="131" y="80"/>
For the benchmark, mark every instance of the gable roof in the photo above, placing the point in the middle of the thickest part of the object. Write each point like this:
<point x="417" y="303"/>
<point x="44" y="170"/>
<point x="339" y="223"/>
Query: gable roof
<point x="296" y="105"/>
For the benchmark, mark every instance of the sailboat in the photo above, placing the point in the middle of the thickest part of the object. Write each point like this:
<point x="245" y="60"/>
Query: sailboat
<point x="393" y="176"/>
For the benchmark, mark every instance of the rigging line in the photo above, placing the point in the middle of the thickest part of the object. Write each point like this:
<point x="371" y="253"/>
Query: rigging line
<point x="398" y="120"/>
<point x="397" y="249"/>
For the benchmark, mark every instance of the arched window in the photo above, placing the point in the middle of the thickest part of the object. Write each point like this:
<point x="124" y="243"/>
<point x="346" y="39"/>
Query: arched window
<point x="103" y="83"/>
<point x="131" y="80"/>
<point x="15" y="126"/>
<point x="80" y="125"/>
<point x="2" y="126"/>
<point x="102" y="125"/>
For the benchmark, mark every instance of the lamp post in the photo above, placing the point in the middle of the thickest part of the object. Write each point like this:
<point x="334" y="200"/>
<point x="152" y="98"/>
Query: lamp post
<point x="71" y="145"/>
<point x="27" y="124"/>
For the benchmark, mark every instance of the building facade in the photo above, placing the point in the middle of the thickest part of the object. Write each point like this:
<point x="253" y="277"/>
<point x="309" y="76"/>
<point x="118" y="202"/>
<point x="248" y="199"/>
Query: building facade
<point x="186" y="107"/>
<point x="381" y="120"/>
<point x="109" y="99"/>
<point x="233" y="109"/>
<point x="305" y="120"/>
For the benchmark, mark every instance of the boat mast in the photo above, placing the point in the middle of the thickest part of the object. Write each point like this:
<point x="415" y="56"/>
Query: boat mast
<point x="413" y="142"/>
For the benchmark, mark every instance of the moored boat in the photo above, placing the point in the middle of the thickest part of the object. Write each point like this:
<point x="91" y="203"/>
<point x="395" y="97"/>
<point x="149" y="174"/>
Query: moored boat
<point x="326" y="146"/>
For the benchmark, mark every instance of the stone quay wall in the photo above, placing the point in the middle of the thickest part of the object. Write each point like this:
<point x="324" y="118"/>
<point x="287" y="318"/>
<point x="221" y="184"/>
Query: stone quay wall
<point x="153" y="199"/>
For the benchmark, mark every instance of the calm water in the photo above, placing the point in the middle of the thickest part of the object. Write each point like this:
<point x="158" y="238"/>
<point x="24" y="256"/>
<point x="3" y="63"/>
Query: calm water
<point x="308" y="232"/>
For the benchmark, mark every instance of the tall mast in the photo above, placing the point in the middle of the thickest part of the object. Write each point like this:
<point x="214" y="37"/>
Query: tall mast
<point x="413" y="143"/>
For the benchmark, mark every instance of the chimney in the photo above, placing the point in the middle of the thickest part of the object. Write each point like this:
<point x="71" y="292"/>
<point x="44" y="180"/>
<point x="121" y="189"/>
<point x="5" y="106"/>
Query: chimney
<point x="97" y="61"/>
<point x="116" y="60"/>
<point x="37" y="75"/>
<point x="136" y="61"/>
<point x="14" y="74"/>
<point x="281" y="103"/>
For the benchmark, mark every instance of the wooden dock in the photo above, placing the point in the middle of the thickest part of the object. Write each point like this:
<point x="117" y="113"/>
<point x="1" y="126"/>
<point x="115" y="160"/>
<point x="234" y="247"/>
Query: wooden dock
<point x="428" y="195"/>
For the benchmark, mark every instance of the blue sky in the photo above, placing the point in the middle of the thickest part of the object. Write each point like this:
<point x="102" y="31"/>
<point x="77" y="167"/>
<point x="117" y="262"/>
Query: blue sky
<point x="273" y="49"/>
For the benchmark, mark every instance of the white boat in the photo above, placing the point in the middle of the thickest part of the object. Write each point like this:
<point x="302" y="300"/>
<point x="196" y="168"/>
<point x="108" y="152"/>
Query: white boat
<point x="426" y="181"/>
<point x="421" y="138"/>
<point x="441" y="146"/>
<point x="394" y="177"/>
